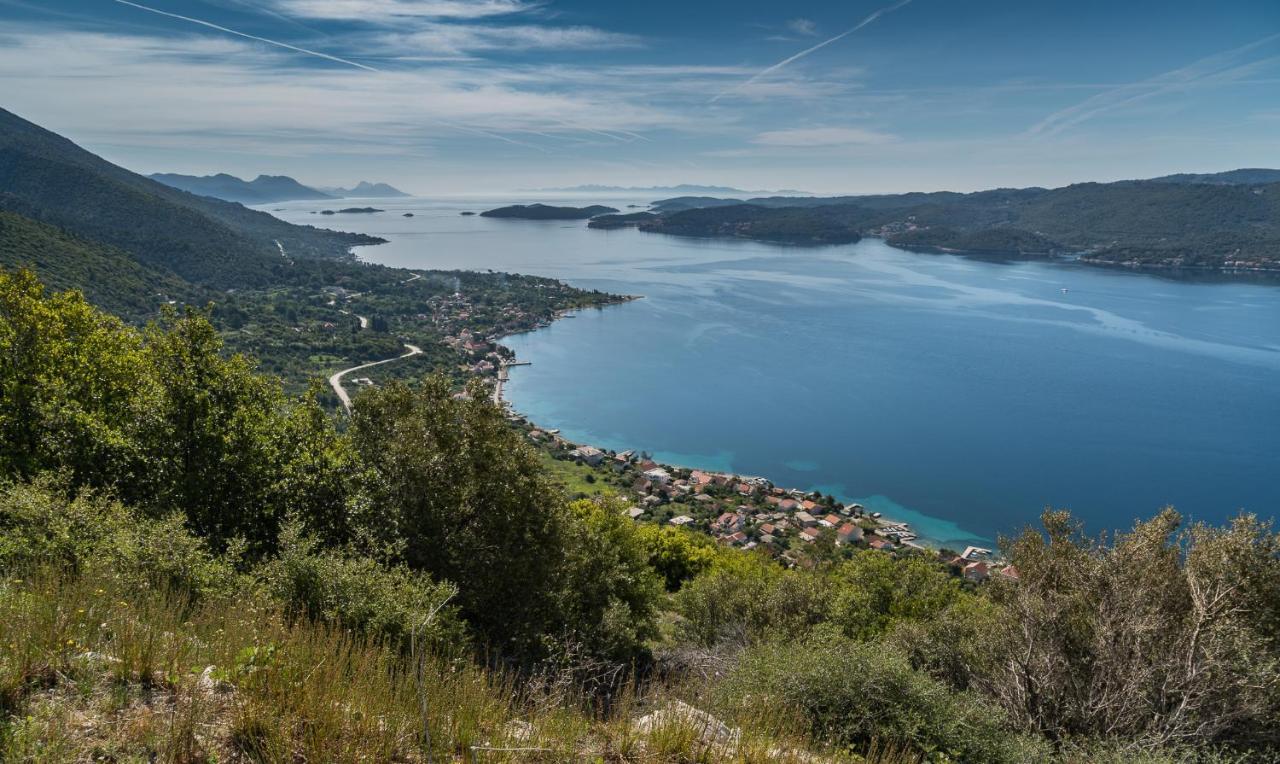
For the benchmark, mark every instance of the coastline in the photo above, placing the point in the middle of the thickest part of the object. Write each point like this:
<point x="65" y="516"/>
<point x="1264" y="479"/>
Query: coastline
<point x="885" y="521"/>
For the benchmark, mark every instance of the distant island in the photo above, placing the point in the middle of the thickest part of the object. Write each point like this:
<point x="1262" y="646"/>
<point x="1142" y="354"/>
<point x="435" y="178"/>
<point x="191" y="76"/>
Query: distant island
<point x="547" y="212"/>
<point x="621" y="221"/>
<point x="352" y="211"/>
<point x="264" y="189"/>
<point x="366" y="190"/>
<point x="1227" y="220"/>
<point x="682" y="189"/>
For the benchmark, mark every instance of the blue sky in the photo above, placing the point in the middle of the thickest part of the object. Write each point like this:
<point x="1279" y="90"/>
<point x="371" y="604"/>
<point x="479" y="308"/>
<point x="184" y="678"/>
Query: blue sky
<point x="448" y="96"/>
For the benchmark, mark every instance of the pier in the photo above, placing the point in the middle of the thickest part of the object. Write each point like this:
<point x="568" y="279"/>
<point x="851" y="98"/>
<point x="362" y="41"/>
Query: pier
<point x="503" y="376"/>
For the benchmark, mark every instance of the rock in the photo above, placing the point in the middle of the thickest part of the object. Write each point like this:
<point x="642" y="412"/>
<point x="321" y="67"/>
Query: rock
<point x="711" y="731"/>
<point x="518" y="730"/>
<point x="209" y="683"/>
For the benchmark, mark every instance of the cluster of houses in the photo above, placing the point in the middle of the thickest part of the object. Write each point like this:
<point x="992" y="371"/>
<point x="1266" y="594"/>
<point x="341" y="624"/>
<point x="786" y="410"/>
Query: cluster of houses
<point x="753" y="514"/>
<point x="741" y="511"/>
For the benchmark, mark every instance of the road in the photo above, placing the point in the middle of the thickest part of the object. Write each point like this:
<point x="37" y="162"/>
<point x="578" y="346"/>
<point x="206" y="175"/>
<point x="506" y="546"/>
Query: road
<point x="336" y="380"/>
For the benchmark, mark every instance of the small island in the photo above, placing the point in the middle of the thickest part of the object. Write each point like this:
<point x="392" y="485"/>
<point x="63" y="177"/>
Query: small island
<point x="352" y="211"/>
<point x="547" y="212"/>
<point x="408" y="215"/>
<point x="467" y="213"/>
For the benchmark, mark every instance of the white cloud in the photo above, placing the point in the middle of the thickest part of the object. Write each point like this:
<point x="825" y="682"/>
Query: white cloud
<point x="382" y="11"/>
<point x="461" y="39"/>
<point x="215" y="93"/>
<point x="815" y="137"/>
<point x="805" y="27"/>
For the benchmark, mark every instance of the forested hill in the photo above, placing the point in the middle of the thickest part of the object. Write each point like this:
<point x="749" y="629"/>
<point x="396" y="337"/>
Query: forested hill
<point x="48" y="178"/>
<point x="1155" y="223"/>
<point x="109" y="278"/>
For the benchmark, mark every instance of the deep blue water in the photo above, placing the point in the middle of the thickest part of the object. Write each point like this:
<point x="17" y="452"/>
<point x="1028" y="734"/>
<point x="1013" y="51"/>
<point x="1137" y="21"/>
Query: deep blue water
<point x="961" y="395"/>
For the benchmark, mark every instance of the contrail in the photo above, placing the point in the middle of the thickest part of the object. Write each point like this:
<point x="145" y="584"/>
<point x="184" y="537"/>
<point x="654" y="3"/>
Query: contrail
<point x="276" y="43"/>
<point x="868" y="20"/>
<point x="1218" y="68"/>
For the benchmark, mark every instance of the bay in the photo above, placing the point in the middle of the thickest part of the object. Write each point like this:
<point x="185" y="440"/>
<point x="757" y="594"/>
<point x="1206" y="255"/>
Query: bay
<point x="962" y="395"/>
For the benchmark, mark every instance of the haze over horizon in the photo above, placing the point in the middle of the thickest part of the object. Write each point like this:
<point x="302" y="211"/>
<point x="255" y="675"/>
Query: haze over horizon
<point x="451" y="96"/>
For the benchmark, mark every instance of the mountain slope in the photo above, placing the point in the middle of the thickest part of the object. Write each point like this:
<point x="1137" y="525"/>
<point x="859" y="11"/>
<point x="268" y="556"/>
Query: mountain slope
<point x="109" y="278"/>
<point x="48" y="178"/>
<point x="263" y="189"/>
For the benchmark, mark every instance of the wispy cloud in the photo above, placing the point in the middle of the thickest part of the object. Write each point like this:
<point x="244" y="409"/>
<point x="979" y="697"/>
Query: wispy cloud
<point x="392" y="10"/>
<point x="215" y="93"/>
<point x="871" y="19"/>
<point x="226" y="30"/>
<point x="803" y="27"/>
<point x="459" y="39"/>
<point x="1219" y="69"/>
<point x="820" y="137"/>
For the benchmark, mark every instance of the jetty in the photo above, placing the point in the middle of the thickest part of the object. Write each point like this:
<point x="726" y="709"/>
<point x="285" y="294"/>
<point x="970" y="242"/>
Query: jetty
<point x="503" y="376"/>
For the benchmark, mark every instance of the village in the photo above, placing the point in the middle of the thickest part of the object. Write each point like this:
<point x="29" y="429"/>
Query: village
<point x="751" y="513"/>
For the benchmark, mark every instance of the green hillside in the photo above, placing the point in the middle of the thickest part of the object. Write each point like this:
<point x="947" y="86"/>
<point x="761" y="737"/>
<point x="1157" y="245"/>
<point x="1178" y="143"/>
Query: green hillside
<point x="48" y="178"/>
<point x="109" y="278"/>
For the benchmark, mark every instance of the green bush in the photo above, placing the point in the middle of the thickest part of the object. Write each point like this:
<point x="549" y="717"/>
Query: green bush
<point x="854" y="694"/>
<point x="385" y="602"/>
<point x="40" y="525"/>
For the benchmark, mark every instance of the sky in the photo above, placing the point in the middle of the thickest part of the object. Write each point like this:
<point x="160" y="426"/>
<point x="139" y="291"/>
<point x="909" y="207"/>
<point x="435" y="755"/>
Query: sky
<point x="479" y="96"/>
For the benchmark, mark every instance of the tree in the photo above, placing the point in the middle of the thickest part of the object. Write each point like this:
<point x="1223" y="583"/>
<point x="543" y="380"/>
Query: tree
<point x="216" y="437"/>
<point x="71" y="382"/>
<point x="463" y="498"/>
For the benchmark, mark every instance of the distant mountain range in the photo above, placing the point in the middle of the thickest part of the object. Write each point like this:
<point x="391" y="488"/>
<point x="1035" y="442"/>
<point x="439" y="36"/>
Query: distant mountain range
<point x="268" y="189"/>
<point x="263" y="189"/>
<point x="683" y="189"/>
<point x="366" y="190"/>
<point x="63" y="199"/>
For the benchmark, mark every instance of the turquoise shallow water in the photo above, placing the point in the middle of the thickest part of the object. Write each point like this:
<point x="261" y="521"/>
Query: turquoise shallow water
<point x="957" y="394"/>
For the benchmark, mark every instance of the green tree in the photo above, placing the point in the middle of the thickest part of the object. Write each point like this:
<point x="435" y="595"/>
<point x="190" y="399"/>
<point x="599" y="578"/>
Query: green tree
<point x="464" y="499"/>
<point x="71" y="379"/>
<point x="216" y="437"/>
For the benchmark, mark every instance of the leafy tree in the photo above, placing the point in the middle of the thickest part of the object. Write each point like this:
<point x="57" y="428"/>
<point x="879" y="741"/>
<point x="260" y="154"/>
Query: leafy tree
<point x="464" y="499"/>
<point x="874" y="590"/>
<point x="676" y="554"/>
<point x="216" y="435"/>
<point x="610" y="594"/>
<point x="70" y="380"/>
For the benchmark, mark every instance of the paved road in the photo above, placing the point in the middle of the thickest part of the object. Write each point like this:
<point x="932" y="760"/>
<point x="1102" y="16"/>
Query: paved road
<point x="336" y="380"/>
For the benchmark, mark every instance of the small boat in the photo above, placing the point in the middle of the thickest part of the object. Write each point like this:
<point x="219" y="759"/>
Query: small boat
<point x="876" y="515"/>
<point x="1065" y="290"/>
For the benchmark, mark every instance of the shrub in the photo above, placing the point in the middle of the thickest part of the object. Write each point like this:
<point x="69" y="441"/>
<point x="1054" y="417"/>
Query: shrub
<point x="855" y="694"/>
<point x="384" y="602"/>
<point x="40" y="525"/>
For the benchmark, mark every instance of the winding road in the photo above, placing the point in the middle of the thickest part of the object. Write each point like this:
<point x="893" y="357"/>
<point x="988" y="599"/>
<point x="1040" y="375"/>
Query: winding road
<point x="335" y="381"/>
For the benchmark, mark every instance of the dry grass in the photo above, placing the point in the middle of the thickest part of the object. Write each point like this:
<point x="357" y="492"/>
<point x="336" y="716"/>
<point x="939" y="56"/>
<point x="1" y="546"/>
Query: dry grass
<point x="91" y="671"/>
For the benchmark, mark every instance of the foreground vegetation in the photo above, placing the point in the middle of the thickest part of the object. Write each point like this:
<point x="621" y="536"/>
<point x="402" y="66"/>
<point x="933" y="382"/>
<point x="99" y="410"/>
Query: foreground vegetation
<point x="196" y="566"/>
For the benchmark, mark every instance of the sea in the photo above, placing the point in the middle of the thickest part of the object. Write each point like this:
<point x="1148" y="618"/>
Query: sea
<point x="961" y="394"/>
